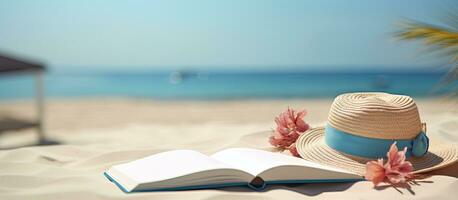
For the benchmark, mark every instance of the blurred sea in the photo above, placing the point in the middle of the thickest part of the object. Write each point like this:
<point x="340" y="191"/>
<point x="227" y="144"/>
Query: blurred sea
<point x="222" y="85"/>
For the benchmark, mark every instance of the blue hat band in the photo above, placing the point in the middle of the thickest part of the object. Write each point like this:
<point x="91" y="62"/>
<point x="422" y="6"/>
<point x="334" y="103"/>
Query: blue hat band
<point x="373" y="147"/>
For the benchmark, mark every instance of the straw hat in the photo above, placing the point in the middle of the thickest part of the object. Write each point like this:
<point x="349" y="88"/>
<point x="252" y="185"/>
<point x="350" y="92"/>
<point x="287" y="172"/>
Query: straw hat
<point x="362" y="126"/>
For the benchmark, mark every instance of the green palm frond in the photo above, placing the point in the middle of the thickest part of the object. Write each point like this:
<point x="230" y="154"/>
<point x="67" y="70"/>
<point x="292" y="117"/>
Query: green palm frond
<point x="444" y="39"/>
<point x="439" y="39"/>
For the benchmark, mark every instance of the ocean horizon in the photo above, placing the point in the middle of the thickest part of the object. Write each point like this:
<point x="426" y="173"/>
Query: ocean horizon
<point x="224" y="85"/>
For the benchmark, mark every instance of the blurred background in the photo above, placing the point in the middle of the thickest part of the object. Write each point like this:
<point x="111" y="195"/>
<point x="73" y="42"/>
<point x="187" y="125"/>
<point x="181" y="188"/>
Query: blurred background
<point x="115" y="64"/>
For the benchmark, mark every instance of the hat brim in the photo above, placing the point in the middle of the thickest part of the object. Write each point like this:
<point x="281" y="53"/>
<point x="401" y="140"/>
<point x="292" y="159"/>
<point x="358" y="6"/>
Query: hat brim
<point x="311" y="146"/>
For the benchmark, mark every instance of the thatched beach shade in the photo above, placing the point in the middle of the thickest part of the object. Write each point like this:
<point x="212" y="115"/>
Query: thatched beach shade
<point x="11" y="65"/>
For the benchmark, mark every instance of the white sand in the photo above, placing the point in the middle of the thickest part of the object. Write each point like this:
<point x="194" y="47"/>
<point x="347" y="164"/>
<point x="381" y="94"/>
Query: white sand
<point x="98" y="133"/>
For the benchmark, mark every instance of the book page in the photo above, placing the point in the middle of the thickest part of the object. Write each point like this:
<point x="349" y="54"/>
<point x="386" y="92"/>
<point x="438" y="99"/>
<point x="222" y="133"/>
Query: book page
<point x="256" y="162"/>
<point x="167" y="165"/>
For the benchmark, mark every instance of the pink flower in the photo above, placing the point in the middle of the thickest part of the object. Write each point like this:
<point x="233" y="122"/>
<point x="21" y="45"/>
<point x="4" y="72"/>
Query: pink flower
<point x="375" y="171"/>
<point x="289" y="126"/>
<point x="395" y="170"/>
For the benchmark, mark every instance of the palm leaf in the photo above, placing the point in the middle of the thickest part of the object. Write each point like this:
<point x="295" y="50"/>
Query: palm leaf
<point x="431" y="35"/>
<point x="443" y="40"/>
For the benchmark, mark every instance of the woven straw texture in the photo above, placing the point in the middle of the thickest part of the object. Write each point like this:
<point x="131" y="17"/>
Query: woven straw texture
<point x="375" y="115"/>
<point x="311" y="146"/>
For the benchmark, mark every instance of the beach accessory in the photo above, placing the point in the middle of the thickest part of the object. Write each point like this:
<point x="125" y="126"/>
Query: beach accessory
<point x="290" y="124"/>
<point x="361" y="127"/>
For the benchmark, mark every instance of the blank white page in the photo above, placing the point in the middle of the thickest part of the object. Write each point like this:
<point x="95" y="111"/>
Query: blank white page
<point x="169" y="164"/>
<point x="256" y="161"/>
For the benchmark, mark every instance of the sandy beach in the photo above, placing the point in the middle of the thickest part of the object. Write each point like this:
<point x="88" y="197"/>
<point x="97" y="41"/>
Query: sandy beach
<point x="99" y="132"/>
<point x="117" y="81"/>
<point x="63" y="115"/>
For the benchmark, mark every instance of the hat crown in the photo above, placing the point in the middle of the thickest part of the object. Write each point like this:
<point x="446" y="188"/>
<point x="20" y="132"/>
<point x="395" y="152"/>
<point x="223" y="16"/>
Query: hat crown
<point x="376" y="115"/>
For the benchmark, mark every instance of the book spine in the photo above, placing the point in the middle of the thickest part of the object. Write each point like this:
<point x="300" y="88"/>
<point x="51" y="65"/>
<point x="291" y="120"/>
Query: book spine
<point x="257" y="184"/>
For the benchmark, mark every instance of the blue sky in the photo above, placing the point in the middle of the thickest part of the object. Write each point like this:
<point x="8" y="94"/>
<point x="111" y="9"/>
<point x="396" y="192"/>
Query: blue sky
<point x="212" y="34"/>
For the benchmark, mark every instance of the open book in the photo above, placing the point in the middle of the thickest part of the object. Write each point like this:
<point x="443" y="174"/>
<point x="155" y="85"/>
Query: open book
<point x="186" y="169"/>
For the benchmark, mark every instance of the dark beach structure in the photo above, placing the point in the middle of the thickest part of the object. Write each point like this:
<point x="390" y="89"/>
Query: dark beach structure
<point x="10" y="65"/>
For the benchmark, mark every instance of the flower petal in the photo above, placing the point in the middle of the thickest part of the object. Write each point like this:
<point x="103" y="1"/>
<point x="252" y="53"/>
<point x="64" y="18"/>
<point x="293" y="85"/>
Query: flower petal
<point x="289" y="126"/>
<point x="375" y="171"/>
